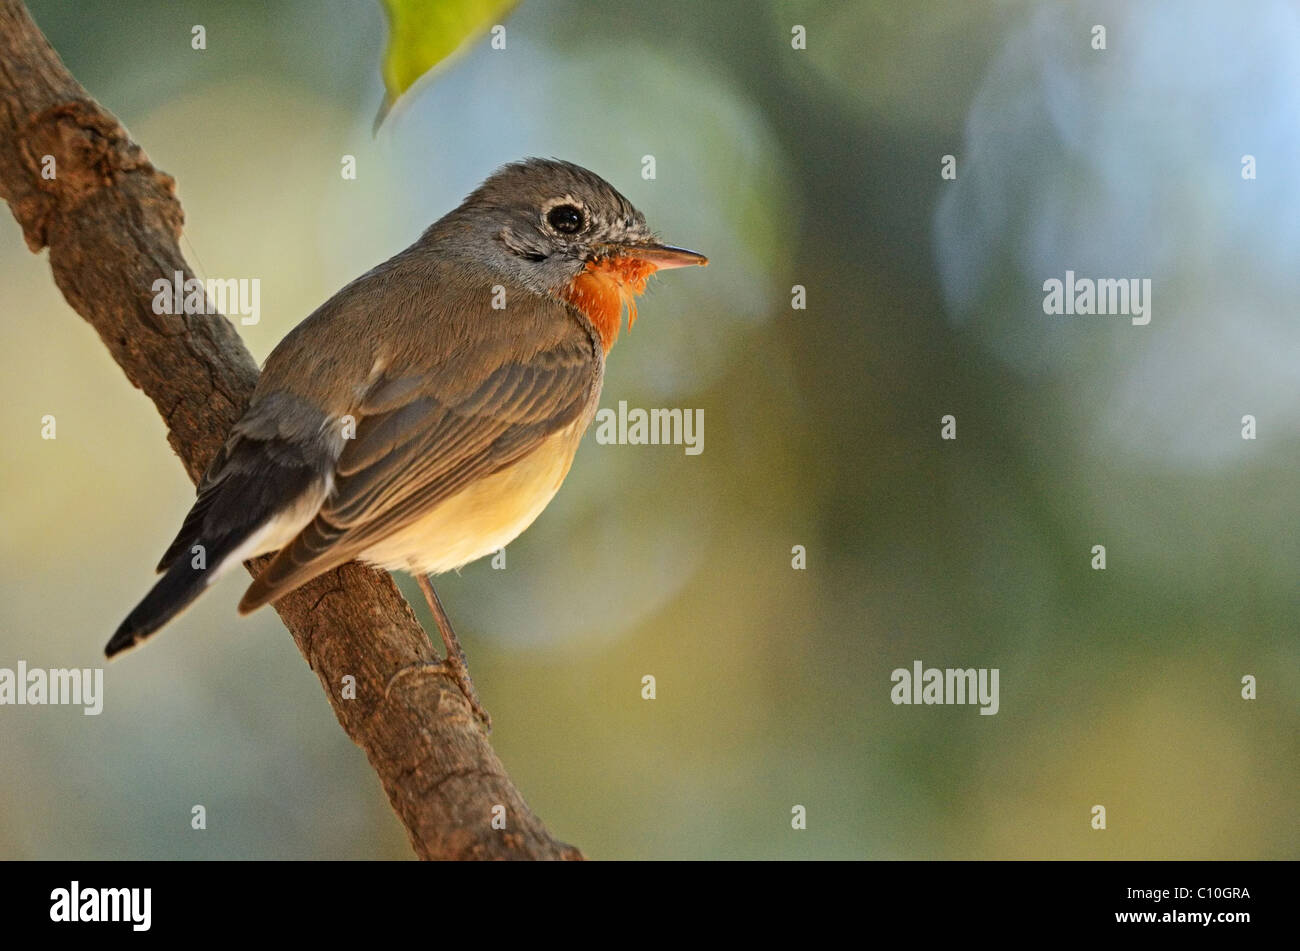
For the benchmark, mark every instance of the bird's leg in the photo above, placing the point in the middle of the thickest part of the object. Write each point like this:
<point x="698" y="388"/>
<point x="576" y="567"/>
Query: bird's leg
<point x="455" y="666"/>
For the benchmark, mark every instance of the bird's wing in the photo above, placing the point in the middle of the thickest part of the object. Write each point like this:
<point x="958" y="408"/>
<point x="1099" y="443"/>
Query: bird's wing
<point x="420" y="439"/>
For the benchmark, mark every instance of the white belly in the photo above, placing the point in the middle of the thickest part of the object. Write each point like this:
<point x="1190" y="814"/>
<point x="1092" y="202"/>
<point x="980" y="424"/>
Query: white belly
<point x="486" y="515"/>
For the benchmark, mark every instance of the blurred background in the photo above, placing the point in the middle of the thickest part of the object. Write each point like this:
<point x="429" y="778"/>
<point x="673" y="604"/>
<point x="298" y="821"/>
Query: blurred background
<point x="817" y="167"/>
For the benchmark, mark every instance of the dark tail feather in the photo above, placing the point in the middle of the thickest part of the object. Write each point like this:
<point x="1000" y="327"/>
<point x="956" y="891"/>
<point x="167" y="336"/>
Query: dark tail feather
<point x="190" y="530"/>
<point x="171" y="595"/>
<point x="248" y="483"/>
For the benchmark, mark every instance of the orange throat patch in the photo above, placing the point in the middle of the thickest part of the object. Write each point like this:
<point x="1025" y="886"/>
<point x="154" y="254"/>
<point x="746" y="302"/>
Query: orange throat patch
<point x="604" y="289"/>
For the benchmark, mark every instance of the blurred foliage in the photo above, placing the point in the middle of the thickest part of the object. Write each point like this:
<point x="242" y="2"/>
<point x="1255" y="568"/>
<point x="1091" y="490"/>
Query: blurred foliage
<point x="820" y="168"/>
<point x="423" y="33"/>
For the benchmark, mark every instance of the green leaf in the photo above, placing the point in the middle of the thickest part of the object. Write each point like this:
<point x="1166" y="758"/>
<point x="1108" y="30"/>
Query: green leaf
<point x="423" y="33"/>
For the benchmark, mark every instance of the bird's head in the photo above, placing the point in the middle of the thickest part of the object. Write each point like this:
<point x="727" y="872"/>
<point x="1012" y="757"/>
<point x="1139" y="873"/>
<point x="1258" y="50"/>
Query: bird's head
<point x="564" y="232"/>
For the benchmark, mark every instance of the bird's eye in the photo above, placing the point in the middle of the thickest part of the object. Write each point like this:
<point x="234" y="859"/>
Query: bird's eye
<point x="566" y="219"/>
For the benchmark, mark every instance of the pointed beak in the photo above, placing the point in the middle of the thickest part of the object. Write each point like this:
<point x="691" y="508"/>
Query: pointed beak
<point x="662" y="256"/>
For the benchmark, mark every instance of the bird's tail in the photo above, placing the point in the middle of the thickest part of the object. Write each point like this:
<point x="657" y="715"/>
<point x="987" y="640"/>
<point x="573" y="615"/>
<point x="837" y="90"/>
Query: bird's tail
<point x="251" y="486"/>
<point x="187" y="577"/>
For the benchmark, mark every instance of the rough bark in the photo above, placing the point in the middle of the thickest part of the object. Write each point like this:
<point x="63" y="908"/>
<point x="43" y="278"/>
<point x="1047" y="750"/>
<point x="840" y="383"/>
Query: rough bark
<point x="111" y="222"/>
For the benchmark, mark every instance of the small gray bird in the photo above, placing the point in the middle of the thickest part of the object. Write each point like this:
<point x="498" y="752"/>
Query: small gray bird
<point x="424" y="415"/>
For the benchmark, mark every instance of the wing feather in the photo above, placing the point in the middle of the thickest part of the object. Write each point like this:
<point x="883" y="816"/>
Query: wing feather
<point x="417" y="445"/>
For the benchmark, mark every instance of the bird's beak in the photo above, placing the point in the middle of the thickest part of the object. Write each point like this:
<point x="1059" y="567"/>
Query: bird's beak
<point x="662" y="256"/>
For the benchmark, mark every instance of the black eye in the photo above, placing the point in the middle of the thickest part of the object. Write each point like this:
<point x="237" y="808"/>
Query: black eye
<point x="566" y="219"/>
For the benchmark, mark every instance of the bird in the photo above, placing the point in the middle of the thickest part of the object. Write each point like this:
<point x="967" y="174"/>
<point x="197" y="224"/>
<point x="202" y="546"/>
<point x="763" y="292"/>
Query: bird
<point x="427" y="413"/>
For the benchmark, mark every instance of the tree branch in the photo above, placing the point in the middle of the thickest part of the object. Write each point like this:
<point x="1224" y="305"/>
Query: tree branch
<point x="111" y="222"/>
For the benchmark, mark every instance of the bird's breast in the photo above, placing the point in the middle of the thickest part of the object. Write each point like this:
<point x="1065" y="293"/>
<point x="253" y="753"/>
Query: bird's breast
<point x="486" y="515"/>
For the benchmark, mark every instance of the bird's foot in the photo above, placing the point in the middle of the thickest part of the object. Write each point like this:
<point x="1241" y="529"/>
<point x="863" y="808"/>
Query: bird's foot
<point x="455" y="666"/>
<point x="456" y="669"/>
